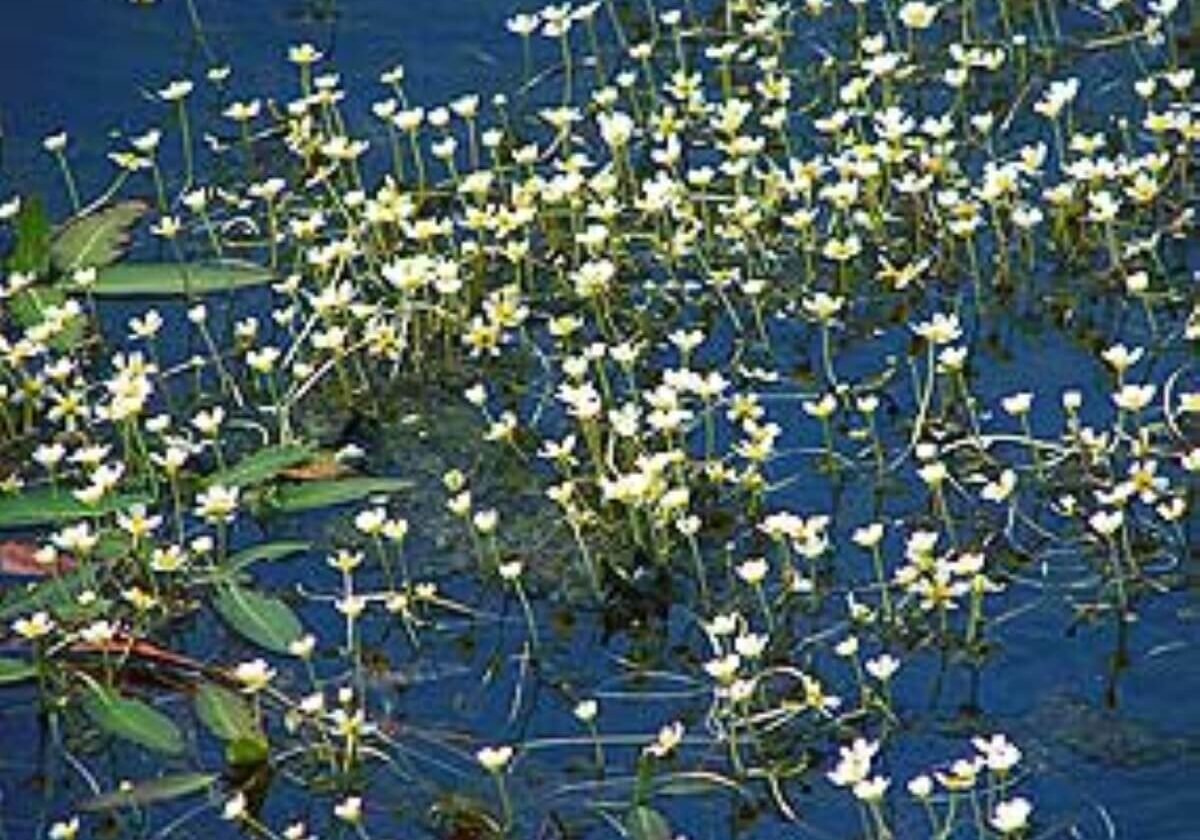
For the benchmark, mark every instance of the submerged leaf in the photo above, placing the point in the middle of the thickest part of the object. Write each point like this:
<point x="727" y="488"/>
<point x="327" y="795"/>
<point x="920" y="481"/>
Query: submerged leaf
<point x="170" y="279"/>
<point x="150" y="791"/>
<point x="262" y="619"/>
<point x="96" y="239"/>
<point x="133" y="720"/>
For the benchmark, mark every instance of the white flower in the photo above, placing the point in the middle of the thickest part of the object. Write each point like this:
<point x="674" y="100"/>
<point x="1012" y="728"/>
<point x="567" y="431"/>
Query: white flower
<point x="176" y="91"/>
<point x="218" y="503"/>
<point x="753" y="571"/>
<point x="918" y="15"/>
<point x="883" y="667"/>
<point x="668" y="739"/>
<point x="349" y="810"/>
<point x="65" y="830"/>
<point x="1011" y="816"/>
<point x="494" y="759"/>
<point x="585" y="711"/>
<point x="254" y="675"/>
<point x="235" y="807"/>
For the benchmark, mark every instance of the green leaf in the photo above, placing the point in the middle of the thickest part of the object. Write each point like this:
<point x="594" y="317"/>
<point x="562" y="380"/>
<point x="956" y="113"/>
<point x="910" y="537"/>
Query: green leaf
<point x="313" y="495"/>
<point x="244" y="752"/>
<point x="31" y="253"/>
<point x="15" y="671"/>
<point x="133" y="720"/>
<point x="264" y="552"/>
<point x="162" y="789"/>
<point x="261" y="465"/>
<point x="645" y="823"/>
<point x="226" y="713"/>
<point x="169" y="279"/>
<point x="45" y="506"/>
<point x="96" y="239"/>
<point x="262" y="619"/>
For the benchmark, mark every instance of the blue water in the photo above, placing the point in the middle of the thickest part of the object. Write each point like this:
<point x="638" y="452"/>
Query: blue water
<point x="84" y="65"/>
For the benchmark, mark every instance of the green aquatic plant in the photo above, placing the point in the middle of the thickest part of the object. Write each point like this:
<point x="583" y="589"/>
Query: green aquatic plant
<point x="681" y="353"/>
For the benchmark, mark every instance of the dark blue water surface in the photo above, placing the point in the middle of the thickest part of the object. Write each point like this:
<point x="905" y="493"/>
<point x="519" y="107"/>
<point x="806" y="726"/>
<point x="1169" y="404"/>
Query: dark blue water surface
<point x="85" y="66"/>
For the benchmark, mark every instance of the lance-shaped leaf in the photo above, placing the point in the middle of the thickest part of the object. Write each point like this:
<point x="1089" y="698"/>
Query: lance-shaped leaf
<point x="133" y="720"/>
<point x="173" y="279"/>
<point x="262" y="619"/>
<point x="226" y="713"/>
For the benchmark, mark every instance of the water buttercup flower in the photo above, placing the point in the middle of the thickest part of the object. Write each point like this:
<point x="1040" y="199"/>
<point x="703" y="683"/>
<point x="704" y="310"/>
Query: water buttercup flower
<point x="494" y="759"/>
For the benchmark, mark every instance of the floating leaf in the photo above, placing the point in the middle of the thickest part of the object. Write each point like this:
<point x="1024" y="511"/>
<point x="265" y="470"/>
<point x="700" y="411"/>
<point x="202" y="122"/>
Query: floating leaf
<point x="15" y="671"/>
<point x="262" y="619"/>
<point x="170" y="279"/>
<point x="226" y="713"/>
<point x="162" y="789"/>
<point x="133" y="721"/>
<point x="295" y="498"/>
<point x="260" y="466"/>
<point x="45" y="506"/>
<point x="645" y="823"/>
<point x="96" y="239"/>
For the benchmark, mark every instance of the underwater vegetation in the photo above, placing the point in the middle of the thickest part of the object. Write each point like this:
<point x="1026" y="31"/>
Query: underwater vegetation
<point x="735" y="425"/>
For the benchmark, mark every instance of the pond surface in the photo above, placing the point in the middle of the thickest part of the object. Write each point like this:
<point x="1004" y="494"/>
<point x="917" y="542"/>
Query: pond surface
<point x="1109" y="726"/>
